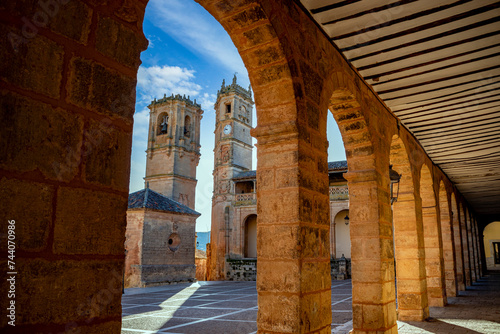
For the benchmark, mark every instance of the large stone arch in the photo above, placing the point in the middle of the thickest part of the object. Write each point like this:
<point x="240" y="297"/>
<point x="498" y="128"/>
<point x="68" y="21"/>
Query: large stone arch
<point x="292" y="198"/>
<point x="433" y="242"/>
<point x="367" y="152"/>
<point x="448" y="241"/>
<point x="408" y="239"/>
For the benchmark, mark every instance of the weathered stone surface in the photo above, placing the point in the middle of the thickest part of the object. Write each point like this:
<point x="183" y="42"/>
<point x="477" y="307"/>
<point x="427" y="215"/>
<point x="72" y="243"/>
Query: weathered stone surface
<point x="46" y="283"/>
<point x="33" y="222"/>
<point x="89" y="222"/>
<point x="106" y="154"/>
<point x="28" y="62"/>
<point x="38" y="136"/>
<point x="118" y="42"/>
<point x="95" y="87"/>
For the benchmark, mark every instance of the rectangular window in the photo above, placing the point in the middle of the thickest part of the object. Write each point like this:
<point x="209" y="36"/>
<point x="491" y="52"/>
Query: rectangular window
<point x="228" y="108"/>
<point x="496" y="252"/>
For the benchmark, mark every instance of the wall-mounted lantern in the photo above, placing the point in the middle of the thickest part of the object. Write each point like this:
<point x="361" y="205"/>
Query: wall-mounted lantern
<point x="346" y="219"/>
<point x="395" y="178"/>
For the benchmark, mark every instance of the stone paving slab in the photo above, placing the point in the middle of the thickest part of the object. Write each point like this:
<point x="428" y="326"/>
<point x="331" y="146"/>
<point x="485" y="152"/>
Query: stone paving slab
<point x="231" y="307"/>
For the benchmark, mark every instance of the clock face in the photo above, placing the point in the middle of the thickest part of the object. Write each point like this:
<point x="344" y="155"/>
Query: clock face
<point x="227" y="129"/>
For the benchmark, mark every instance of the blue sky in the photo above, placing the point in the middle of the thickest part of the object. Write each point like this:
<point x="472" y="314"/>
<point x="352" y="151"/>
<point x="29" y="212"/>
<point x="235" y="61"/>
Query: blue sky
<point x="190" y="53"/>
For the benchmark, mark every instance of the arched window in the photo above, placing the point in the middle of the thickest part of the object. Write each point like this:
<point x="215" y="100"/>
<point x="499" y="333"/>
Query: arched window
<point x="162" y="123"/>
<point x="251" y="236"/>
<point x="187" y="126"/>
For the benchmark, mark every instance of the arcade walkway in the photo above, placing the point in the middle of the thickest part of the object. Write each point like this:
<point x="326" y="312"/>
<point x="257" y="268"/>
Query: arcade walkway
<point x="231" y="308"/>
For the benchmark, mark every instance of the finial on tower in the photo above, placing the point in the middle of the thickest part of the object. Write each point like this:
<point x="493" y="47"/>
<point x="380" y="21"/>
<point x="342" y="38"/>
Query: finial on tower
<point x="223" y="83"/>
<point x="234" y="78"/>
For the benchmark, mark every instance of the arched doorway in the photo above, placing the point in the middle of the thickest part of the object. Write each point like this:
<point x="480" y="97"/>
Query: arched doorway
<point x="342" y="235"/>
<point x="251" y="236"/>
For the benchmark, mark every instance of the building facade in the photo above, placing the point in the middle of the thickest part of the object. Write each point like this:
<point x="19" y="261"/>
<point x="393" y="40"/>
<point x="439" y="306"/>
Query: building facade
<point x="232" y="252"/>
<point x="232" y="156"/>
<point x="161" y="221"/>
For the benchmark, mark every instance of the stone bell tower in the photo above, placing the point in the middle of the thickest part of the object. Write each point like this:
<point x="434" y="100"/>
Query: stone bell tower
<point x="174" y="147"/>
<point x="232" y="155"/>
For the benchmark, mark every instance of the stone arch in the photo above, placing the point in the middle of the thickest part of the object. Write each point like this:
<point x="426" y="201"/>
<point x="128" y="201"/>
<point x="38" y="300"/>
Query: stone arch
<point x="457" y="235"/>
<point x="408" y="239"/>
<point x="372" y="257"/>
<point x="448" y="241"/>
<point x="250" y="223"/>
<point x="292" y="198"/>
<point x="433" y="242"/>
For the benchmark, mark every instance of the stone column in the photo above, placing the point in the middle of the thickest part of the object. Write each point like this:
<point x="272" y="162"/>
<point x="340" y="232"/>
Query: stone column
<point x="434" y="266"/>
<point x="465" y="245"/>
<point x="478" y="246"/>
<point x="472" y="246"/>
<point x="293" y="281"/>
<point x="410" y="260"/>
<point x="67" y="98"/>
<point x="448" y="249"/>
<point x="459" y="256"/>
<point x="372" y="257"/>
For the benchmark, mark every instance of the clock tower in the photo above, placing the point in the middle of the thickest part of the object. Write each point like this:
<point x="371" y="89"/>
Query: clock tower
<point x="232" y="155"/>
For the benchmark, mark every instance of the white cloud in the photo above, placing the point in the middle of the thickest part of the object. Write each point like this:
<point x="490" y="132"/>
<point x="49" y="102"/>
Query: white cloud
<point x="192" y="26"/>
<point x="155" y="81"/>
<point x="207" y="101"/>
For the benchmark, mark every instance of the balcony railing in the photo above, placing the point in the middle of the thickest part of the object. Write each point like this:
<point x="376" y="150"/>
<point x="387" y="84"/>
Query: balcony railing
<point x="339" y="193"/>
<point x="245" y="199"/>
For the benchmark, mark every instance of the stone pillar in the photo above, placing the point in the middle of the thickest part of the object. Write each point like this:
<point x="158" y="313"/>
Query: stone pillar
<point x="293" y="281"/>
<point x="478" y="246"/>
<point x="67" y="98"/>
<point x="372" y="257"/>
<point x="410" y="260"/>
<point x="434" y="266"/>
<point x="448" y="246"/>
<point x="472" y="248"/>
<point x="465" y="245"/>
<point x="459" y="256"/>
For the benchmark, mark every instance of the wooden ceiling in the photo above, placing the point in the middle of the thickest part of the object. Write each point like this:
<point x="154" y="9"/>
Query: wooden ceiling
<point x="436" y="65"/>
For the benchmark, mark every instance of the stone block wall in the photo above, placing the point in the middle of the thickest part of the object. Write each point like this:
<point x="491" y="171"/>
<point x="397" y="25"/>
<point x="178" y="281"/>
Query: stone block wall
<point x="160" y="248"/>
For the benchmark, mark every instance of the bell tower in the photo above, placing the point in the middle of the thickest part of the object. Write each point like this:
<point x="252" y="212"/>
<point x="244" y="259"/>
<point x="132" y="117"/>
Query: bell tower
<point x="174" y="147"/>
<point x="232" y="155"/>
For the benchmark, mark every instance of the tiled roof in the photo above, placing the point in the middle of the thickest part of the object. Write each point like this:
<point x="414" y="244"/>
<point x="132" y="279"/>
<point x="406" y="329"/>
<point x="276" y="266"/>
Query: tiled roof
<point x="149" y="199"/>
<point x="337" y="165"/>
<point x="251" y="174"/>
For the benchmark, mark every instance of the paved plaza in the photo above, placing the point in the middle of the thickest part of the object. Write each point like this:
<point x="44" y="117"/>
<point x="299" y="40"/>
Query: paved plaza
<point x="231" y="307"/>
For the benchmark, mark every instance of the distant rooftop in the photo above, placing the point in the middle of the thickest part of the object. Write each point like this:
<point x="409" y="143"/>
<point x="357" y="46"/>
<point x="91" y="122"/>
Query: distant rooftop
<point x="251" y="174"/>
<point x="333" y="166"/>
<point x="149" y="199"/>
<point x="337" y="165"/>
